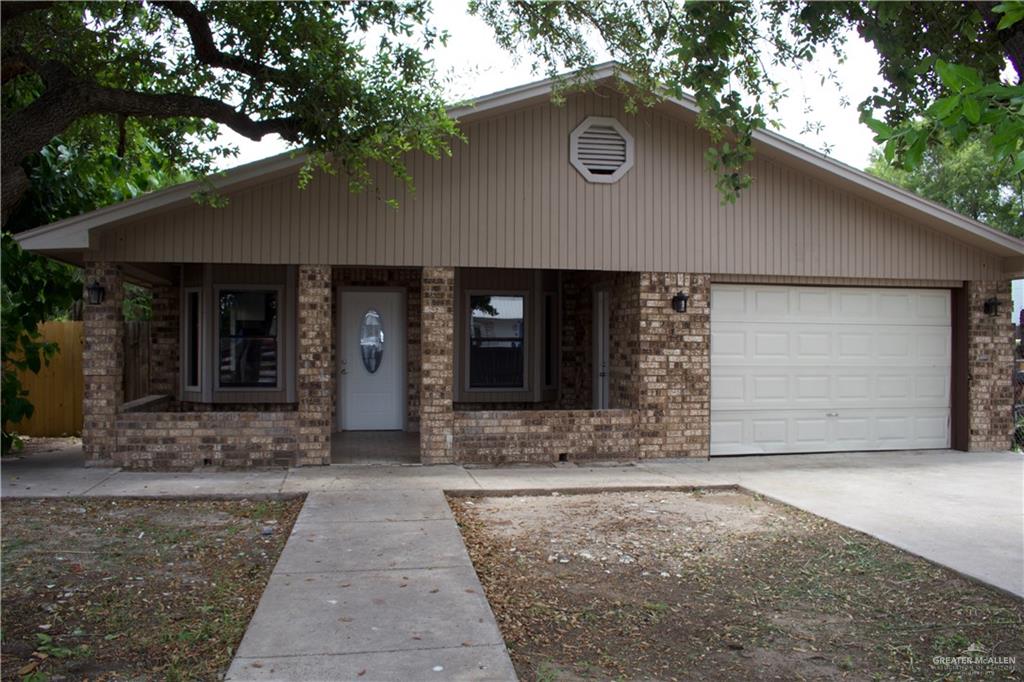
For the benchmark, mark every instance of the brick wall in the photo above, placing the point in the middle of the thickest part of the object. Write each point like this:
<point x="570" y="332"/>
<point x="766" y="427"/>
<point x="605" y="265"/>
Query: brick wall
<point x="510" y="436"/>
<point x="186" y="440"/>
<point x="576" y="374"/>
<point x="673" y="366"/>
<point x="102" y="365"/>
<point x="437" y="365"/>
<point x="410" y="280"/>
<point x="165" y="341"/>
<point x="314" y="380"/>
<point x="990" y="367"/>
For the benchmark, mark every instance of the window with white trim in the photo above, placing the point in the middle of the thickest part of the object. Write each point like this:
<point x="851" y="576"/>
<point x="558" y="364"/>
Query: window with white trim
<point x="601" y="149"/>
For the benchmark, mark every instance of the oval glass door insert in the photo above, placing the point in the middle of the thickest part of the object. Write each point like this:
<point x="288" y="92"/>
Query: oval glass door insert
<point x="371" y="340"/>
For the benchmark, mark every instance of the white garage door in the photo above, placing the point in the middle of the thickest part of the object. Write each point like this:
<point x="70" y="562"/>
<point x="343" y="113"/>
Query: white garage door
<point x="815" y="369"/>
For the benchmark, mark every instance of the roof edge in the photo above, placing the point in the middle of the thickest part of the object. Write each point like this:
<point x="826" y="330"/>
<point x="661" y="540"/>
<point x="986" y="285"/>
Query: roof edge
<point x="73" y="232"/>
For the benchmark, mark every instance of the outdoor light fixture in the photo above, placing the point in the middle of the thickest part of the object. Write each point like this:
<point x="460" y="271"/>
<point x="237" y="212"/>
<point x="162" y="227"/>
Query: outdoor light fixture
<point x="991" y="307"/>
<point x="95" y="292"/>
<point x="679" y="302"/>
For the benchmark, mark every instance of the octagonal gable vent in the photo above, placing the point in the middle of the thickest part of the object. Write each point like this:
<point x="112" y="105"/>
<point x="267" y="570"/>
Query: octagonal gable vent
<point x="601" y="149"/>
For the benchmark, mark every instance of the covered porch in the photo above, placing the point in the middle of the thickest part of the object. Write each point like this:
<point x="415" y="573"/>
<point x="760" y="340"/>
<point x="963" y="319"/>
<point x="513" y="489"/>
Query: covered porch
<point x="306" y="365"/>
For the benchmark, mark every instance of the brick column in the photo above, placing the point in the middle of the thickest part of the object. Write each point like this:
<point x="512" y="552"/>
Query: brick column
<point x="990" y="367"/>
<point x="165" y="341"/>
<point x="102" y="365"/>
<point x="437" y="349"/>
<point x="673" y="366"/>
<point x="313" y="380"/>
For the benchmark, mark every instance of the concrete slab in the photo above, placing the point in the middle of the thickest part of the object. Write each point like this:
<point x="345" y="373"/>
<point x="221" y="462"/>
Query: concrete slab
<point x="129" y="483"/>
<point x="533" y="478"/>
<point x="373" y="546"/>
<point x="51" y="482"/>
<point x="371" y="477"/>
<point x="360" y="506"/>
<point x="366" y="611"/>
<point x="477" y="663"/>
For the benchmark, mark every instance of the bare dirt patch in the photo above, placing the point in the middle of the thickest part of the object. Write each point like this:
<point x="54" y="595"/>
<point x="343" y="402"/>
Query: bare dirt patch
<point x="102" y="589"/>
<point x="722" y="585"/>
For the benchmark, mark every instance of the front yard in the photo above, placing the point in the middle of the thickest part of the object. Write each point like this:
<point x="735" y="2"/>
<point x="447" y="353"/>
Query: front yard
<point x="133" y="589"/>
<point x="722" y="585"/>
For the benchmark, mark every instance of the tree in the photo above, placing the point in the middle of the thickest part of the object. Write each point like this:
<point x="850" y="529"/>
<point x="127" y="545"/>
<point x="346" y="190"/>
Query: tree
<point x="941" y="63"/>
<point x="34" y="289"/>
<point x="350" y="82"/>
<point x="962" y="177"/>
<point x="75" y="173"/>
<point x="175" y="71"/>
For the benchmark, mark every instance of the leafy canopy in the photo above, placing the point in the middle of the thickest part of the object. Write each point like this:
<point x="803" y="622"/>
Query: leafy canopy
<point x="963" y="178"/>
<point x="349" y="81"/>
<point x="724" y="53"/>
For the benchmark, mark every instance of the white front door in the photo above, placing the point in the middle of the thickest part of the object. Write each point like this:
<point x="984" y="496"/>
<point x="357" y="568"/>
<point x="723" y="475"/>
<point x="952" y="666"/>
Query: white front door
<point x="371" y="360"/>
<point x="600" y="349"/>
<point x="815" y="369"/>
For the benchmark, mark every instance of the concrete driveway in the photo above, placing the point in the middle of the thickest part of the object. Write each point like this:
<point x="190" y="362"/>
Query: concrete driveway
<point x="962" y="510"/>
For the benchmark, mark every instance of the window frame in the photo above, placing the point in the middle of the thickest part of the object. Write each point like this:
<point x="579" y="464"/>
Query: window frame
<point x="201" y="363"/>
<point x="279" y="378"/>
<point x="468" y="340"/>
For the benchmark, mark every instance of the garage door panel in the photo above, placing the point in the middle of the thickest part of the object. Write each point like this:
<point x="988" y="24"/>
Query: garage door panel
<point x="836" y="305"/>
<point x="750" y="387"/>
<point x="796" y="431"/>
<point x="822" y="344"/>
<point x="810" y="369"/>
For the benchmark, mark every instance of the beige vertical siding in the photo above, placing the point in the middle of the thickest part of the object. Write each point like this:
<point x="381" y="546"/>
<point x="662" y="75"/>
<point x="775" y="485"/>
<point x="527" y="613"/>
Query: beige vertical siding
<point x="510" y="198"/>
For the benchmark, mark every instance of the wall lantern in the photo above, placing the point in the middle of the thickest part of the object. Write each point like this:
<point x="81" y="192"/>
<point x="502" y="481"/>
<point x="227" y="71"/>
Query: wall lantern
<point x="991" y="307"/>
<point x="95" y="292"/>
<point x="679" y="302"/>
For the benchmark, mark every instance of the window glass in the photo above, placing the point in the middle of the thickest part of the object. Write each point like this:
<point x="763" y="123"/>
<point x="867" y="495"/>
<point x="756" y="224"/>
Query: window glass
<point x="192" y="342"/>
<point x="248" y="328"/>
<point x="496" y="346"/>
<point x="371" y="340"/>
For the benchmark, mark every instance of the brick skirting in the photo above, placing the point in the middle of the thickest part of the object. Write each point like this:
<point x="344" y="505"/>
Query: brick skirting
<point x="510" y="436"/>
<point x="186" y="440"/>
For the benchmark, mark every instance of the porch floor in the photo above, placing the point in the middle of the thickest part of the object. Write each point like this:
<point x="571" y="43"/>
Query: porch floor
<point x="375" y="447"/>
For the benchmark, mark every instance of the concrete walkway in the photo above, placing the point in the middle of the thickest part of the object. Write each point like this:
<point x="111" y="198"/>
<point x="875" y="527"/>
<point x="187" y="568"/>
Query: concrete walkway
<point x="376" y="585"/>
<point x="373" y="542"/>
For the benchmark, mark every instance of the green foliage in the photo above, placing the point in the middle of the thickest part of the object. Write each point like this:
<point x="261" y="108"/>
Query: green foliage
<point x="961" y="175"/>
<point x="34" y="290"/>
<point x="84" y="170"/>
<point x="954" y="92"/>
<point x="718" y="51"/>
<point x="347" y="81"/>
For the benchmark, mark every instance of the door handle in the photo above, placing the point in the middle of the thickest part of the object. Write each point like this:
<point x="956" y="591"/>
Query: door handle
<point x="831" y="414"/>
<point x="344" y="371"/>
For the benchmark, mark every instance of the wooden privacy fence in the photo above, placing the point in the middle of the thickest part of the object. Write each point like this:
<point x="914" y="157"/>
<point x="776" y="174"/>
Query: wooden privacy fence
<point x="56" y="392"/>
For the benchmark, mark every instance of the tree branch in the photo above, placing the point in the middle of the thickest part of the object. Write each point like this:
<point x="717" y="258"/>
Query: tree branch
<point x="66" y="99"/>
<point x="13" y="9"/>
<point x="206" y="50"/>
<point x="1012" y="38"/>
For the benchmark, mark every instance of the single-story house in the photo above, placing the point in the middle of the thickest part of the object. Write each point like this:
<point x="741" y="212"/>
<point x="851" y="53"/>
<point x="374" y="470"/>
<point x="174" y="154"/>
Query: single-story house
<point x="567" y="285"/>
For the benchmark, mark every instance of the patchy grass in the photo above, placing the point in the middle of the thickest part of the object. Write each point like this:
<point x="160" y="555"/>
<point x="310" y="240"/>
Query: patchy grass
<point x="721" y="585"/>
<point x="133" y="589"/>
